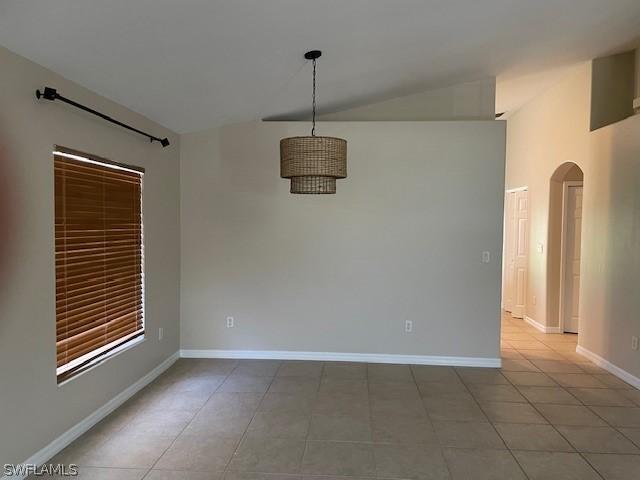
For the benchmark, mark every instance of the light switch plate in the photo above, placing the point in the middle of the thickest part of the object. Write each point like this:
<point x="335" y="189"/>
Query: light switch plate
<point x="486" y="257"/>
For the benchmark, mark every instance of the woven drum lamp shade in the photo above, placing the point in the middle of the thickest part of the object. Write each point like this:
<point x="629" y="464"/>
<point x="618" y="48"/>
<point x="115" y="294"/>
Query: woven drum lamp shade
<point x="313" y="163"/>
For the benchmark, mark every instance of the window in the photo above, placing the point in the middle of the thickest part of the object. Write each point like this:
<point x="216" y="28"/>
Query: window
<point x="99" y="259"/>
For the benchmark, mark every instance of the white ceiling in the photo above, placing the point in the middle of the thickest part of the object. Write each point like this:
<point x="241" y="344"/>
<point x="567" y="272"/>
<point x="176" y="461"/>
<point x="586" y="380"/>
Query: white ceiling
<point x="194" y="64"/>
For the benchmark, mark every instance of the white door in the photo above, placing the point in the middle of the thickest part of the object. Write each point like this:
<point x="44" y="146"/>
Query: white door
<point x="571" y="257"/>
<point x="509" y="248"/>
<point x="521" y="254"/>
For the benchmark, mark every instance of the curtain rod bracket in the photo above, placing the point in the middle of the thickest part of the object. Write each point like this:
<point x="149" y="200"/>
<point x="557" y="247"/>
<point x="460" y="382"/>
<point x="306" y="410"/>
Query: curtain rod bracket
<point x="52" y="94"/>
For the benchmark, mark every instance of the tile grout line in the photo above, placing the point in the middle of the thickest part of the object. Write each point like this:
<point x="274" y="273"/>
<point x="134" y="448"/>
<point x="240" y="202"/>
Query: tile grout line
<point x="558" y="385"/>
<point x="162" y="390"/>
<point x="529" y="403"/>
<point x="636" y="443"/>
<point x="555" y="427"/>
<point x="371" y="424"/>
<point x="188" y="423"/>
<point x="493" y="425"/>
<point x="244" y="433"/>
<point x="306" y="438"/>
<point x="430" y="419"/>
<point x="435" y="434"/>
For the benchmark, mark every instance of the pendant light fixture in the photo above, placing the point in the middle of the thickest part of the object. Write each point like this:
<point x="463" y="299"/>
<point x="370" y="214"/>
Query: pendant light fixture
<point x="313" y="163"/>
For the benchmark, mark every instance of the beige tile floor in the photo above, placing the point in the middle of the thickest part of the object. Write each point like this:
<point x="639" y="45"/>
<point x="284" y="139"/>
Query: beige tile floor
<point x="547" y="414"/>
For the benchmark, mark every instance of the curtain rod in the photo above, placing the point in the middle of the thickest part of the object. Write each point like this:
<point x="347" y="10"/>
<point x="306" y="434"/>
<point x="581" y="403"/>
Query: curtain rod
<point x="51" y="94"/>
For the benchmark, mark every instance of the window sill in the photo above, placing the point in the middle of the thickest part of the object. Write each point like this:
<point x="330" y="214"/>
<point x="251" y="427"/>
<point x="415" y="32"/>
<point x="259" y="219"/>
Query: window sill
<point x="100" y="360"/>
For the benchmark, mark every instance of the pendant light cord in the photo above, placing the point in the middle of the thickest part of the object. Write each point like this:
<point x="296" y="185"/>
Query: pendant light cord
<point x="313" y="121"/>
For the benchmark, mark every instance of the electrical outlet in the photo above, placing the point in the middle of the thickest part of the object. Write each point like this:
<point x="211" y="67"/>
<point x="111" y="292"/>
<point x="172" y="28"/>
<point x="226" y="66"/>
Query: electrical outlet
<point x="160" y="333"/>
<point x="540" y="248"/>
<point x="486" y="257"/>
<point x="634" y="343"/>
<point x="408" y="326"/>
<point x="230" y="322"/>
<point x="534" y="299"/>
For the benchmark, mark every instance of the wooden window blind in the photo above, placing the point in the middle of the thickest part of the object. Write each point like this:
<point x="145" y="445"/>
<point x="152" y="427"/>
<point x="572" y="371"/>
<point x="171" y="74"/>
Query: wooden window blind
<point x="98" y="258"/>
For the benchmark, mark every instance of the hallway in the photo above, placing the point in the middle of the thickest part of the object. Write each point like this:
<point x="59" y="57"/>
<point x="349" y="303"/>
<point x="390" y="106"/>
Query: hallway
<point x="596" y="412"/>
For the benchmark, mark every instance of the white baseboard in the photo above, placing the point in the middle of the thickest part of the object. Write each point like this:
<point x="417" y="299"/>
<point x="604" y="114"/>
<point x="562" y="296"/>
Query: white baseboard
<point x="541" y="327"/>
<point x="42" y="456"/>
<point x="345" y="357"/>
<point x="610" y="367"/>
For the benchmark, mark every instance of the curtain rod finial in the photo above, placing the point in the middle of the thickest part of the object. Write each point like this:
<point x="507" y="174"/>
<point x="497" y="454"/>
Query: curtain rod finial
<point x="48" y="94"/>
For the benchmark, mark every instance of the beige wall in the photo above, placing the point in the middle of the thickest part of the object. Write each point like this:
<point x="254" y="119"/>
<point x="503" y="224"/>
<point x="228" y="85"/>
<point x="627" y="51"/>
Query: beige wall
<point x="609" y="300"/>
<point x="637" y="64"/>
<point x="465" y="101"/>
<point x="34" y="410"/>
<point x="543" y="135"/>
<point x="401" y="240"/>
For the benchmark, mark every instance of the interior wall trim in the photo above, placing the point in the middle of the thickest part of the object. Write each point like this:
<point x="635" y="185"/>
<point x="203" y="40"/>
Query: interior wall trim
<point x="345" y="357"/>
<point x="57" y="445"/>
<point x="610" y="367"/>
<point x="517" y="189"/>
<point x="540" y="327"/>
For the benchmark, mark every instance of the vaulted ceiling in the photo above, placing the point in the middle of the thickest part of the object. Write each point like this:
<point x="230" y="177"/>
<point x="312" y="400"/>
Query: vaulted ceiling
<point x="194" y="64"/>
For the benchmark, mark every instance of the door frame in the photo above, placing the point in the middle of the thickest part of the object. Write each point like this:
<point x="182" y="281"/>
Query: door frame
<point x="505" y="227"/>
<point x="563" y="247"/>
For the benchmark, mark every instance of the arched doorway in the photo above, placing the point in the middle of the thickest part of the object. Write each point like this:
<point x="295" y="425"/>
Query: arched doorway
<point x="565" y="238"/>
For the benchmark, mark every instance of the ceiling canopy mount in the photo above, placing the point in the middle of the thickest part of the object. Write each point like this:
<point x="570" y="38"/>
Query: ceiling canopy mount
<point x="313" y="54"/>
